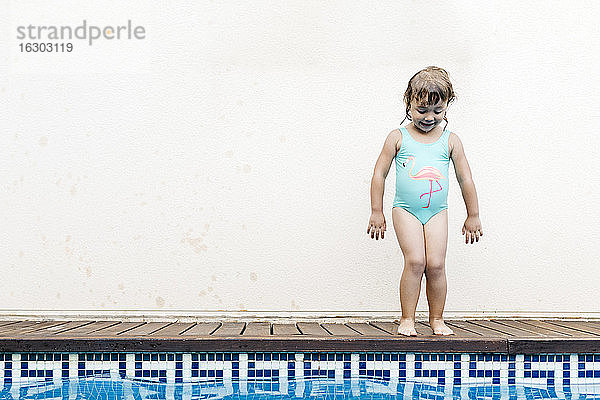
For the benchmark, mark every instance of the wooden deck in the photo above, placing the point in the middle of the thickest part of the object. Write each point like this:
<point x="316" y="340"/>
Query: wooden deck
<point x="499" y="336"/>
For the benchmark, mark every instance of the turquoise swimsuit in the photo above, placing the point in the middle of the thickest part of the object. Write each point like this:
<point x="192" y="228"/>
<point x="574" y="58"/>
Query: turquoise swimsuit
<point x="422" y="176"/>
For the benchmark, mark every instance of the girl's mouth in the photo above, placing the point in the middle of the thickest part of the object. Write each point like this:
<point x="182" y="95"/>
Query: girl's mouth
<point x="427" y="125"/>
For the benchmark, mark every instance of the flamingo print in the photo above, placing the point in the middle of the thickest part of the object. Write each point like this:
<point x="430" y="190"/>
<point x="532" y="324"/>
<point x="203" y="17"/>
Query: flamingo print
<point x="430" y="173"/>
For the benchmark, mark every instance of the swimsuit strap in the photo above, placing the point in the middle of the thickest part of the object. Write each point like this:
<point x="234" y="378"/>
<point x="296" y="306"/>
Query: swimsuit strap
<point x="405" y="132"/>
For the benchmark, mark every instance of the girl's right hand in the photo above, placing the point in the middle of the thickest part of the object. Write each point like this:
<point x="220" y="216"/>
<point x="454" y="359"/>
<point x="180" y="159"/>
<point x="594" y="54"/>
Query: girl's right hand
<point x="376" y="225"/>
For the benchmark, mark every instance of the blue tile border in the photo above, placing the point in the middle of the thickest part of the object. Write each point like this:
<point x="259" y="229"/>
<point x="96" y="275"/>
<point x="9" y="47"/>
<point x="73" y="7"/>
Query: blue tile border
<point x="432" y="368"/>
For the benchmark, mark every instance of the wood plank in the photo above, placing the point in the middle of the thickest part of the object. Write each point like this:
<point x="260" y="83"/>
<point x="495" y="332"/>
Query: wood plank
<point x="52" y="330"/>
<point x="145" y="329"/>
<point x="257" y="329"/>
<point x="389" y="327"/>
<point x="38" y="326"/>
<point x="365" y="329"/>
<point x="240" y="344"/>
<point x="534" y="327"/>
<point x="115" y="330"/>
<point x="87" y="329"/>
<point x="577" y="327"/>
<point x="507" y="330"/>
<point x="16" y="326"/>
<point x="558" y="330"/>
<point x="285" y="330"/>
<point x="174" y="329"/>
<point x="229" y="329"/>
<point x="481" y="330"/>
<point x="497" y="335"/>
<point x="518" y="345"/>
<point x="423" y="328"/>
<point x="4" y="323"/>
<point x="458" y="331"/>
<point x="339" y="329"/>
<point x="202" y="329"/>
<point x="593" y="324"/>
<point x="312" y="329"/>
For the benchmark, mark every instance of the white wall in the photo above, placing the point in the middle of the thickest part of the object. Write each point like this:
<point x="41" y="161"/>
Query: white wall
<point x="223" y="163"/>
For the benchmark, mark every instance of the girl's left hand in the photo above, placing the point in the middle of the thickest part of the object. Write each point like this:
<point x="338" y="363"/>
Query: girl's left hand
<point x="472" y="228"/>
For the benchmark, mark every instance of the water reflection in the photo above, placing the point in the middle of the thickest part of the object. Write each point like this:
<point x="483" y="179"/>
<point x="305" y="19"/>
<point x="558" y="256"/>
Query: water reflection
<point x="314" y="388"/>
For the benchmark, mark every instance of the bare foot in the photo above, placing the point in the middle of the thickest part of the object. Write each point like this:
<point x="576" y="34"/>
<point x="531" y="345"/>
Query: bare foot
<point x="440" y="328"/>
<point x="407" y="327"/>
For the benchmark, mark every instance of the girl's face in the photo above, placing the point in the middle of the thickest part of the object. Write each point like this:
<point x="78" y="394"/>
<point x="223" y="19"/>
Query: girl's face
<point x="426" y="117"/>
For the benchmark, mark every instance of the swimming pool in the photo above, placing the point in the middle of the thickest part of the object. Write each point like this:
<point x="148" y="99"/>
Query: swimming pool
<point x="317" y="388"/>
<point x="303" y="375"/>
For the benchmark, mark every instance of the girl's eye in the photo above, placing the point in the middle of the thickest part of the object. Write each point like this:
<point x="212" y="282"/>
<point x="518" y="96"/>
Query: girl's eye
<point x="424" y="111"/>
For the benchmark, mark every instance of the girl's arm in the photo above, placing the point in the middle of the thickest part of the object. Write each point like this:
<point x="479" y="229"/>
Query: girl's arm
<point x="377" y="224"/>
<point x="382" y="167"/>
<point x="472" y="226"/>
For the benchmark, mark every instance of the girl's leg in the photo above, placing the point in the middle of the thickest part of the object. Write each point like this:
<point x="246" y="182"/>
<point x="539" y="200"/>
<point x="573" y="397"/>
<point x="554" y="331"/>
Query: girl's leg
<point x="409" y="232"/>
<point x="436" y="240"/>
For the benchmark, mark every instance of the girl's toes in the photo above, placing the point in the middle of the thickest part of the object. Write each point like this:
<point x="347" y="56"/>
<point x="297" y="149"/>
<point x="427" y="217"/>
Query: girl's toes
<point x="407" y="328"/>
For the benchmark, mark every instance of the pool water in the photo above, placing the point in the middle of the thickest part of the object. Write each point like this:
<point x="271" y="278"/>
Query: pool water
<point x="302" y="388"/>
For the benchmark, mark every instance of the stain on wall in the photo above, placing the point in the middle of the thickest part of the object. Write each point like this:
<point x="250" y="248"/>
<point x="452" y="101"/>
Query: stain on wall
<point x="195" y="242"/>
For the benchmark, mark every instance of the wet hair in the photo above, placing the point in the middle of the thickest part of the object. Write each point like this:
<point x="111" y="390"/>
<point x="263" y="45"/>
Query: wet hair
<point x="428" y="86"/>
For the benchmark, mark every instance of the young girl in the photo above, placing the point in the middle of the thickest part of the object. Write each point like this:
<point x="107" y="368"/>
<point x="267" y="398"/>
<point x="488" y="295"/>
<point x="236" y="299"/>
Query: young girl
<point x="422" y="150"/>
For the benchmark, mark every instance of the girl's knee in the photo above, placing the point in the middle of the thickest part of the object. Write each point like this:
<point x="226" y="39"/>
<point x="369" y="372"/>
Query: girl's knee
<point x="435" y="267"/>
<point x="415" y="265"/>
